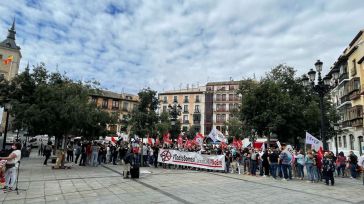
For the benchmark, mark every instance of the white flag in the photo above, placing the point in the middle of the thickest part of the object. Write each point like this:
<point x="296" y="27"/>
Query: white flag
<point x="313" y="141"/>
<point x="216" y="135"/>
<point x="279" y="145"/>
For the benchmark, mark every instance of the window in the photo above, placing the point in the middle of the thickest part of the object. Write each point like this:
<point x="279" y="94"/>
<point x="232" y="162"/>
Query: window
<point x="223" y="117"/>
<point x="104" y="103"/>
<point x="344" y="141"/>
<point x="231" y="87"/>
<point x="197" y="108"/>
<point x="218" y="107"/>
<point x="94" y="100"/>
<point x="223" y="97"/>
<point x="164" y="99"/>
<point x="197" y="99"/>
<point x="231" y="97"/>
<point x="353" y="69"/>
<point x="340" y="143"/>
<point x="175" y="99"/>
<point x="185" y="118"/>
<point x="352" y="139"/>
<point x="231" y="107"/>
<point x="223" y="107"/>
<point x="218" y="97"/>
<point x="164" y="108"/>
<point x="209" y="88"/>
<point x="115" y="104"/>
<point x="125" y="106"/>
<point x="186" y="99"/>
<point x="185" y="108"/>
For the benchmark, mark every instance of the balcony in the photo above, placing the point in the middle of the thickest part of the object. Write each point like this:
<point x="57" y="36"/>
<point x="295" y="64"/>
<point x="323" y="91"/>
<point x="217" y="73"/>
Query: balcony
<point x="221" y="110"/>
<point x="220" y="122"/>
<point x="165" y="101"/>
<point x="197" y="101"/>
<point x="344" y="99"/>
<point x="343" y="76"/>
<point x="125" y="109"/>
<point x="185" y="101"/>
<point x="196" y="122"/>
<point x="357" y="122"/>
<point x="355" y="95"/>
<point x="115" y="108"/>
<point x="185" y="111"/>
<point x="186" y="122"/>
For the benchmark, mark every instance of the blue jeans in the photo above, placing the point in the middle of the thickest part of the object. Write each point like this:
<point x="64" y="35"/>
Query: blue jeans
<point x="280" y="170"/>
<point x="254" y="167"/>
<point x="301" y="173"/>
<point x="94" y="157"/>
<point x="285" y="169"/>
<point x="314" y="176"/>
<point x="273" y="169"/>
<point x="353" y="170"/>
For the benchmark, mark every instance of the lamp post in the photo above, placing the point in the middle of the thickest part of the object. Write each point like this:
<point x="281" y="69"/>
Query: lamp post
<point x="7" y="108"/>
<point x="322" y="87"/>
<point x="336" y="128"/>
<point x="175" y="111"/>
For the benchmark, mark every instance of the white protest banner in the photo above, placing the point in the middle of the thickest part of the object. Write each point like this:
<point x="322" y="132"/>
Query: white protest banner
<point x="279" y="145"/>
<point x="193" y="159"/>
<point x="313" y="141"/>
<point x="246" y="142"/>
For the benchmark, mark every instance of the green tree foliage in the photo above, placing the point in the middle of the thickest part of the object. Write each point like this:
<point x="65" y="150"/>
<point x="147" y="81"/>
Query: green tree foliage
<point x="234" y="127"/>
<point x="53" y="104"/>
<point x="279" y="103"/>
<point x="144" y="118"/>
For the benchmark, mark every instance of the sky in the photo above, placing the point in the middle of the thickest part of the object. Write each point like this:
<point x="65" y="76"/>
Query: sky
<point x="169" y="44"/>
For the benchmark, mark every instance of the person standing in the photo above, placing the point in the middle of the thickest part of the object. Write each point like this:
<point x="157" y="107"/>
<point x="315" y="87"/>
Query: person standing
<point x="95" y="153"/>
<point x="78" y="152"/>
<point x="300" y="164"/>
<point x="254" y="162"/>
<point x="265" y="163"/>
<point x="70" y="152"/>
<point x="83" y="155"/>
<point x="155" y="155"/>
<point x="329" y="168"/>
<point x="41" y="148"/>
<point x="341" y="164"/>
<point x="47" y="152"/>
<point x="286" y="162"/>
<point x="273" y="161"/>
<point x="145" y="154"/>
<point x="353" y="161"/>
<point x="11" y="166"/>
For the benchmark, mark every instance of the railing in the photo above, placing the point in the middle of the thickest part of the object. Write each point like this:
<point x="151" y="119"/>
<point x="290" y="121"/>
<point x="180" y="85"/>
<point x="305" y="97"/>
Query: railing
<point x="344" y="99"/>
<point x="355" y="95"/>
<point x="115" y="107"/>
<point x="185" y="101"/>
<point x="197" y="101"/>
<point x="357" y="122"/>
<point x="185" y="111"/>
<point x="221" y="110"/>
<point x="186" y="121"/>
<point x="343" y="76"/>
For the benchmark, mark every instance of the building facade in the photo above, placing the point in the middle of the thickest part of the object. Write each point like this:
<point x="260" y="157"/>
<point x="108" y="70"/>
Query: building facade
<point x="114" y="103"/>
<point x="220" y="100"/>
<point x="11" y="51"/>
<point x="348" y="98"/>
<point x="192" y="101"/>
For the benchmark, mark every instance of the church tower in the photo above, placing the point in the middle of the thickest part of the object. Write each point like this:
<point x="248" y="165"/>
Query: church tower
<point x="10" y="55"/>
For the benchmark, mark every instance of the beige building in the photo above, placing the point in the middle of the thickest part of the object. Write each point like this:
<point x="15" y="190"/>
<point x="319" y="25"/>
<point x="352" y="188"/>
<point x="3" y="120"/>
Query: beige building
<point x="120" y="104"/>
<point x="220" y="100"/>
<point x="192" y="101"/>
<point x="10" y="50"/>
<point x="348" y="96"/>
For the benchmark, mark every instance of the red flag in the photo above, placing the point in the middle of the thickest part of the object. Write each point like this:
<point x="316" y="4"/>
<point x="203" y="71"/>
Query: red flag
<point x="166" y="139"/>
<point x="235" y="144"/>
<point x="179" y="140"/>
<point x="223" y="145"/>
<point x="188" y="143"/>
<point x="239" y="143"/>
<point x="113" y="139"/>
<point x="198" y="140"/>
<point x="150" y="142"/>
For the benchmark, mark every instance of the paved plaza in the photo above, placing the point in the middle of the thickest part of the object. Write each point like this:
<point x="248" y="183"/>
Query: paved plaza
<point x="106" y="185"/>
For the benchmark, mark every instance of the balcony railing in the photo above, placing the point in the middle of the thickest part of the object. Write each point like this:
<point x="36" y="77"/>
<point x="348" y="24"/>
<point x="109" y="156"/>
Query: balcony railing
<point x="185" y="101"/>
<point x="196" y="122"/>
<point x="185" y="111"/>
<point x="355" y="95"/>
<point x="197" y="101"/>
<point x="115" y="108"/>
<point x="221" y="110"/>
<point x="357" y="122"/>
<point x="343" y="76"/>
<point x="344" y="99"/>
<point x="186" y="121"/>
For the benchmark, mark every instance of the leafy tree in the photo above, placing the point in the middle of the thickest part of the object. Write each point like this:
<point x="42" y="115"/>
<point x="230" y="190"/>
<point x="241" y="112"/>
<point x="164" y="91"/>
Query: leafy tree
<point x="144" y="118"/>
<point x="279" y="103"/>
<point x="234" y="127"/>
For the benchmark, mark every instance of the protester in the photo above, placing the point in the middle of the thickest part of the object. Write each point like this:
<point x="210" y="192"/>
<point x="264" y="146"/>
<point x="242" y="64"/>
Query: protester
<point x="286" y="163"/>
<point x="11" y="166"/>
<point x="265" y="163"/>
<point x="329" y="167"/>
<point x="83" y="159"/>
<point x="254" y="162"/>
<point x="300" y="165"/>
<point x="353" y="161"/>
<point x="47" y="152"/>
<point x="77" y="152"/>
<point x="94" y="154"/>
<point x="341" y="164"/>
<point x="273" y="162"/>
<point x="70" y="152"/>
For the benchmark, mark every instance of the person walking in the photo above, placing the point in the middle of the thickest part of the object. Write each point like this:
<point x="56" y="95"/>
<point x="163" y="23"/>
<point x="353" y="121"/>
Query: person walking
<point x="47" y="152"/>
<point x="11" y="166"/>
<point x="329" y="168"/>
<point x="353" y="161"/>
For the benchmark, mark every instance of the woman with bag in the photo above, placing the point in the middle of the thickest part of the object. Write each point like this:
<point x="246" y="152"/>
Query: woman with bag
<point x="11" y="166"/>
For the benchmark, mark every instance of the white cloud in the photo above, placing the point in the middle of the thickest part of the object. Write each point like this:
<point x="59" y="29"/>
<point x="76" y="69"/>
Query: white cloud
<point x="128" y="45"/>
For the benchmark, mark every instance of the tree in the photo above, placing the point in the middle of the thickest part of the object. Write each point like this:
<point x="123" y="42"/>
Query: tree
<point x="279" y="103"/>
<point x="234" y="127"/>
<point x="144" y="118"/>
<point x="53" y="104"/>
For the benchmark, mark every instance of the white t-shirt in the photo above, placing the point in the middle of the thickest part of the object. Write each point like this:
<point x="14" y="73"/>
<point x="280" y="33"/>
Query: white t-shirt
<point x="16" y="159"/>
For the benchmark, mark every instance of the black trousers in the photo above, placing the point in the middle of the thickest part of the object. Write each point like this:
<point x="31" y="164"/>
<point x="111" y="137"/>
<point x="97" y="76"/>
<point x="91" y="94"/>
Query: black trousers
<point x="77" y="156"/>
<point x="70" y="156"/>
<point x="329" y="176"/>
<point x="83" y="159"/>
<point x="46" y="159"/>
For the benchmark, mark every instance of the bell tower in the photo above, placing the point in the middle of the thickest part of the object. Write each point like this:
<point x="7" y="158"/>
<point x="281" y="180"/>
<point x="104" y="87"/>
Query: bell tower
<point x="10" y="55"/>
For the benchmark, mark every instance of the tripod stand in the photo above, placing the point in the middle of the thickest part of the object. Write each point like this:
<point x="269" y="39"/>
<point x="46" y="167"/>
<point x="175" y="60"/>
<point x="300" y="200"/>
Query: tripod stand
<point x="17" y="179"/>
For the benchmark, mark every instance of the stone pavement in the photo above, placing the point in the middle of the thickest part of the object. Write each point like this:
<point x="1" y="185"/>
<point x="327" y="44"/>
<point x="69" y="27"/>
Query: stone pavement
<point x="106" y="185"/>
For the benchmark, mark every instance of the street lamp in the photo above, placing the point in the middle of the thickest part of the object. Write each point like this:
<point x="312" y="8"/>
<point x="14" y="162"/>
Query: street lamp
<point x="322" y="87"/>
<point x="336" y="129"/>
<point x="7" y="108"/>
